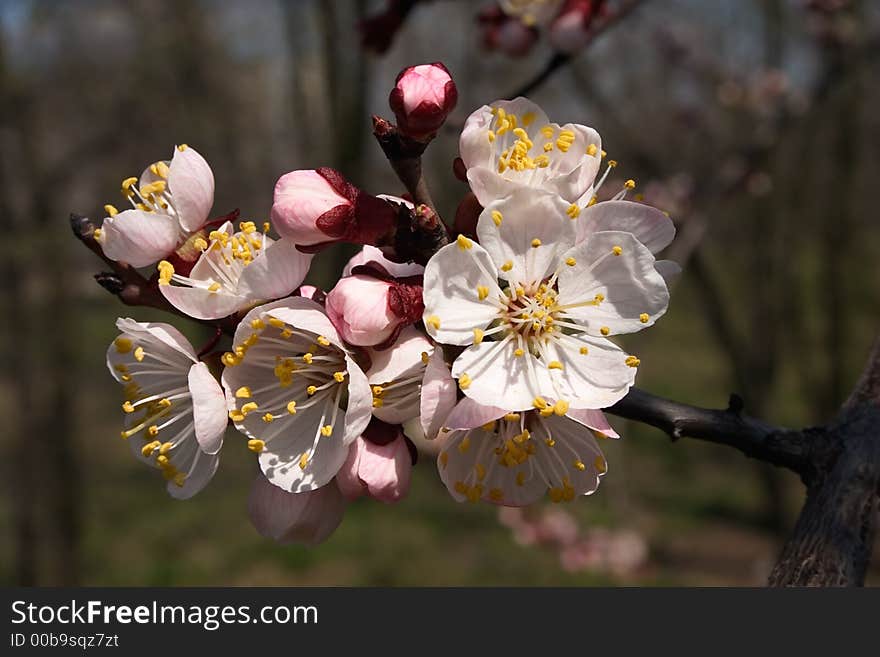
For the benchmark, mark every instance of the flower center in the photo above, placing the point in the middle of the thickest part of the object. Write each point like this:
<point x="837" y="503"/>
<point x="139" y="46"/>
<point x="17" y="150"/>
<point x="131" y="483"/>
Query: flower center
<point x="518" y="148"/>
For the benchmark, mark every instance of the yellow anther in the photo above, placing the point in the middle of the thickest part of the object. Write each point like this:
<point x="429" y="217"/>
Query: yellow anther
<point x="630" y="184"/>
<point x="166" y="271"/>
<point x="268" y="417"/>
<point x="497" y="217"/>
<point x="97" y="233"/>
<point x="632" y="361"/>
<point x="571" y="262"/>
<point x="339" y="377"/>
<point x="156" y="187"/>
<point x="536" y="243"/>
<point x="247" y="227"/>
<point x="555" y="365"/>
<point x="511" y="417"/>
<point x="311" y="390"/>
<point x="592" y="149"/>
<point x="518" y="352"/>
<point x="548" y="147"/>
<point x="481" y="471"/>
<point x="127" y="184"/>
<point x="257" y="324"/>
<point x="139" y="354"/>
<point x="584" y="351"/>
<point x="520" y="478"/>
<point x="464" y="381"/>
<point x="425" y="357"/>
<point x="433" y="321"/>
<point x="599" y="298"/>
<point x="128" y="407"/>
<point x="444" y="459"/>
<point x="164" y="403"/>
<point x="111" y="210"/>
<point x="378" y="403"/>
<point x="236" y="416"/>
<point x="496" y="494"/>
<point x="573" y="211"/>
<point x="548" y="131"/>
<point x="539" y="402"/>
<point x="478" y="336"/>
<point x="490" y="135"/>
<point x="200" y="243"/>
<point x="482" y="292"/>
<point x="464" y="243"/>
<point x="378" y="390"/>
<point x="616" y="250"/>
<point x="507" y="266"/>
<point x="287" y="333"/>
<point x="612" y="163"/>
<point x="308" y="357"/>
<point x="604" y="330"/>
<point x="324" y="342"/>
<point x="123" y="345"/>
<point x="291" y="407"/>
<point x="256" y="445"/>
<point x="153" y="430"/>
<point x="600" y="465"/>
<point x="213" y="287"/>
<point x="277" y="323"/>
<point x="303" y="461"/>
<point x="326" y="430"/>
<point x="580" y="465"/>
<point x="561" y="407"/>
<point x="528" y="118"/>
<point x="148" y="449"/>
<point x="549" y="442"/>
<point x="644" y="318"/>
<point x="464" y="445"/>
<point x="182" y="147"/>
<point x="229" y="359"/>
<point x="249" y="407"/>
<point x="542" y="161"/>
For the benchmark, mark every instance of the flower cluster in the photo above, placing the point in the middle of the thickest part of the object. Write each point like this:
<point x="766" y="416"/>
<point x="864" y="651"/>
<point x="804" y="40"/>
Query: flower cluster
<point x="498" y="348"/>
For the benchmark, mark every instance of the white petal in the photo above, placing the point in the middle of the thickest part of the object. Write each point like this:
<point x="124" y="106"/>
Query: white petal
<point x="527" y="215"/>
<point x="575" y="170"/>
<point x="574" y="443"/>
<point x="596" y="379"/>
<point x="633" y="291"/>
<point x="474" y="146"/>
<point x="451" y="296"/>
<point x="306" y="315"/>
<point x="669" y="270"/>
<point x="437" y="395"/>
<point x="489" y="186"/>
<point x="201" y="303"/>
<point x="370" y="254"/>
<point x="468" y="414"/>
<point x="191" y="183"/>
<point x="209" y="408"/>
<point x="199" y="476"/>
<point x="649" y="225"/>
<point x="500" y="378"/>
<point x="280" y="459"/>
<point x="138" y="238"/>
<point x="160" y="332"/>
<point x="406" y="354"/>
<point x="593" y="419"/>
<point x="276" y="272"/>
<point x="360" y="403"/>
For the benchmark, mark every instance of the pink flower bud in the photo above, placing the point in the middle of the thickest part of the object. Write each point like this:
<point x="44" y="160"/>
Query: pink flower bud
<point x="307" y="518"/>
<point x="318" y="206"/>
<point x="370" y="307"/>
<point x="570" y="30"/>
<point x="505" y="33"/>
<point x="380" y="471"/>
<point x="422" y="98"/>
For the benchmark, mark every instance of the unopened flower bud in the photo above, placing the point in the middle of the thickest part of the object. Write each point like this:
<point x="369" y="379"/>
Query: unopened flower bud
<point x="507" y="34"/>
<point x="422" y="98"/>
<point x="319" y="206"/>
<point x="370" y="310"/>
<point x="380" y="471"/>
<point x="308" y="517"/>
<point x="570" y="30"/>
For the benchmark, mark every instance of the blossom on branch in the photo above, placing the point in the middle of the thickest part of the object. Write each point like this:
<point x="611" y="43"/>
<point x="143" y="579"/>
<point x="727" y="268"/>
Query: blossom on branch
<point x="296" y="392"/>
<point x="540" y="341"/>
<point x="175" y="411"/>
<point x="171" y="200"/>
<point x="235" y="271"/>
<point x="422" y="98"/>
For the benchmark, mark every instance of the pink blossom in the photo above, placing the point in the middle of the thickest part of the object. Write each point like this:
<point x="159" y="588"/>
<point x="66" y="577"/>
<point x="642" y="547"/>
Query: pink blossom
<point x="422" y="98"/>
<point x="381" y="471"/>
<point x="570" y="30"/>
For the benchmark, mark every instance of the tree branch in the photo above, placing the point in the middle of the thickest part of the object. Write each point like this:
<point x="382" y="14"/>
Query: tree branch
<point x="754" y="438"/>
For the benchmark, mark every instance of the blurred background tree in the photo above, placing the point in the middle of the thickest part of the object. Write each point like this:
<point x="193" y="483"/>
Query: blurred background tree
<point x="753" y="123"/>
